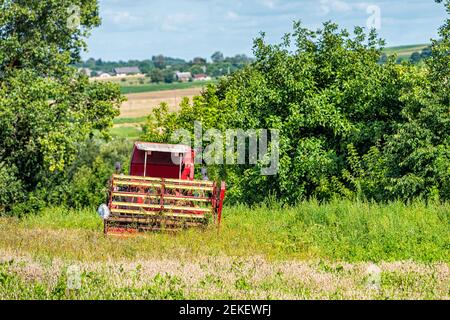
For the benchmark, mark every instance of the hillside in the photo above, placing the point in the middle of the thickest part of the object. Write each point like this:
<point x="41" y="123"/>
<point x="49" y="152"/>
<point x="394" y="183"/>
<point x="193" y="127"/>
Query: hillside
<point x="405" y="52"/>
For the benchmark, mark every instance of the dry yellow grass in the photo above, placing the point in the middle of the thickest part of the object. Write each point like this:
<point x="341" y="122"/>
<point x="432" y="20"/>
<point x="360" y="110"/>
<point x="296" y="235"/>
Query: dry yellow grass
<point x="141" y="104"/>
<point x="223" y="278"/>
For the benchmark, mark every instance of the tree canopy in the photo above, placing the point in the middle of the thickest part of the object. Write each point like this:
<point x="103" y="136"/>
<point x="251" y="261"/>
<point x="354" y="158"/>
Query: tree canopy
<point x="46" y="107"/>
<point x="350" y="125"/>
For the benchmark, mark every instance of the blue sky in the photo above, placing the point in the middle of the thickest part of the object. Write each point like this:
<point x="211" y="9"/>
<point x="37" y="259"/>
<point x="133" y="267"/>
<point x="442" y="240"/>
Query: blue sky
<point x="138" y="29"/>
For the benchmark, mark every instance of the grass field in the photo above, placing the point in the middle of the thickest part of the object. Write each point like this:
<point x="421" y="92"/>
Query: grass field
<point x="311" y="251"/>
<point x="139" y="105"/>
<point x="152" y="87"/>
<point x="405" y="52"/>
<point x="119" y="121"/>
<point x="129" y="131"/>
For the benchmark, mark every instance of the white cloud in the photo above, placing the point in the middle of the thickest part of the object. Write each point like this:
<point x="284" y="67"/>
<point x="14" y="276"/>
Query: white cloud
<point x="123" y="17"/>
<point x="340" y="6"/>
<point x="232" y="16"/>
<point x="327" y="6"/>
<point x="123" y="20"/>
<point x="177" y="22"/>
<point x="269" y="3"/>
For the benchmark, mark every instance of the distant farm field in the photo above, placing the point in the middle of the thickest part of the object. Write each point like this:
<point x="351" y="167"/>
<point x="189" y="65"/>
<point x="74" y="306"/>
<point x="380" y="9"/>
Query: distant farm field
<point x="405" y="52"/>
<point x="152" y="87"/>
<point x="142" y="83"/>
<point x="130" y="131"/>
<point x="139" y="105"/>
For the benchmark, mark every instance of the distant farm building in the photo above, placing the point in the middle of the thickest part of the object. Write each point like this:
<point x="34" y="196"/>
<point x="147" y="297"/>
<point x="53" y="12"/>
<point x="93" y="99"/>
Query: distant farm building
<point x="104" y="75"/>
<point x="201" y="77"/>
<point x="126" y="71"/>
<point x="183" y="76"/>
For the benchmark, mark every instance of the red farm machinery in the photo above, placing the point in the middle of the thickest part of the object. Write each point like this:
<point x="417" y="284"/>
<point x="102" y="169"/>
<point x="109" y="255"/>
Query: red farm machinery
<point x="160" y="193"/>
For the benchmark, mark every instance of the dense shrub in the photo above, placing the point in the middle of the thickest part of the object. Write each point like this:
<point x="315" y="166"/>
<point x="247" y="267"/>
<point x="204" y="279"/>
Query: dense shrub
<point x="11" y="190"/>
<point x="83" y="184"/>
<point x="47" y="108"/>
<point x="350" y="126"/>
<point x="89" y="176"/>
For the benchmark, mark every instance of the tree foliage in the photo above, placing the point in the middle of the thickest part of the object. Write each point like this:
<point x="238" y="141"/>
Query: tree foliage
<point x="350" y="125"/>
<point x="46" y="107"/>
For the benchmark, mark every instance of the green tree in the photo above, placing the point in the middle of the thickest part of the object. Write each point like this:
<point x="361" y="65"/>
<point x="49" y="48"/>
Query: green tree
<point x="415" y="57"/>
<point x="196" y="69"/>
<point x="159" y="61"/>
<point x="91" y="63"/>
<point x="145" y="66"/>
<point x="426" y="53"/>
<point x="326" y="93"/>
<point x="199" y="61"/>
<point x="87" y="178"/>
<point x="350" y="126"/>
<point x="156" y="75"/>
<point x="169" y="76"/>
<point x="217" y="57"/>
<point x="47" y="108"/>
<point x="418" y="153"/>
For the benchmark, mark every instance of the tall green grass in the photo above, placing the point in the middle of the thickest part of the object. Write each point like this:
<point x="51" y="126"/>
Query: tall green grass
<point x="130" y="132"/>
<point x="63" y="218"/>
<point x="350" y="231"/>
<point x="337" y="231"/>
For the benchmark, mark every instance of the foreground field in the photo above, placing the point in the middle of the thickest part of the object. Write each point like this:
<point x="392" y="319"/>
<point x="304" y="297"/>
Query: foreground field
<point x="312" y="251"/>
<point x="25" y="277"/>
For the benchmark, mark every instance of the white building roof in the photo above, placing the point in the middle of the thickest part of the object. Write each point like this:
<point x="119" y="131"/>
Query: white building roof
<point x="184" y="75"/>
<point x="161" y="147"/>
